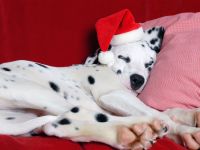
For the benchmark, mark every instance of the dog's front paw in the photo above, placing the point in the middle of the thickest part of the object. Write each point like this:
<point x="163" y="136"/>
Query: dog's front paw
<point x="141" y="136"/>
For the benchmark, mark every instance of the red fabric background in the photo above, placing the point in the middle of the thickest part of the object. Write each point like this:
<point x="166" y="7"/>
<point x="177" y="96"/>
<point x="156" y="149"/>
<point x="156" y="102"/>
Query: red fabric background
<point x="60" y="33"/>
<point x="52" y="143"/>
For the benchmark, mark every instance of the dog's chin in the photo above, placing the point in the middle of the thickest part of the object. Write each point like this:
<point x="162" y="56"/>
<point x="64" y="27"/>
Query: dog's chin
<point x="137" y="90"/>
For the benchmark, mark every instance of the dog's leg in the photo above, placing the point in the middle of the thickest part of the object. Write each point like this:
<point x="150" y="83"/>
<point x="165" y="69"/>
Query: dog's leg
<point x="127" y="104"/>
<point x="27" y="94"/>
<point x="183" y="116"/>
<point x="15" y="122"/>
<point x="85" y="125"/>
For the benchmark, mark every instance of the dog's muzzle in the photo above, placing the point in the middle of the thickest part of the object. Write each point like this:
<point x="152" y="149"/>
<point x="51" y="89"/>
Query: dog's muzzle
<point x="136" y="81"/>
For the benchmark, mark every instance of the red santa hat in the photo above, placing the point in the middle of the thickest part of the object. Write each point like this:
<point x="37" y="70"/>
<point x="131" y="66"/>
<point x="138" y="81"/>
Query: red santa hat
<point x="116" y="29"/>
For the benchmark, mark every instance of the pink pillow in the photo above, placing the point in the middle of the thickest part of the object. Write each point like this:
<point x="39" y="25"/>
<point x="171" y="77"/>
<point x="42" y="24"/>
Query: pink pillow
<point x="175" y="78"/>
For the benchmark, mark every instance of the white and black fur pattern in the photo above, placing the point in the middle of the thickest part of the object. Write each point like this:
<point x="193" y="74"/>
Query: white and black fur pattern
<point x="136" y="58"/>
<point x="81" y="102"/>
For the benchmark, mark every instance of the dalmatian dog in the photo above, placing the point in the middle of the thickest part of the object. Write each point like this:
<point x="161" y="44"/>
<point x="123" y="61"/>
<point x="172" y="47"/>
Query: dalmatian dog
<point x="84" y="102"/>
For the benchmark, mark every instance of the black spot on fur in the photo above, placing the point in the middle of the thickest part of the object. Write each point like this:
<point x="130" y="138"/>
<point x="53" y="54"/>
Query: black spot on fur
<point x="165" y="129"/>
<point x="64" y="121"/>
<point x="149" y="31"/>
<point x="91" y="80"/>
<point x="101" y="117"/>
<point x="75" y="109"/>
<point x="126" y="59"/>
<point x="153" y="41"/>
<point x="160" y="36"/>
<point x="77" y="86"/>
<point x="14" y="76"/>
<point x="157" y="49"/>
<point x="65" y="95"/>
<point x="30" y="65"/>
<point x="6" y="69"/>
<point x="54" y="86"/>
<point x="119" y="71"/>
<point x="10" y="118"/>
<point x="5" y="87"/>
<point x="161" y="33"/>
<point x="142" y="45"/>
<point x="54" y="125"/>
<point x="149" y="69"/>
<point x="76" y="128"/>
<point x="42" y="65"/>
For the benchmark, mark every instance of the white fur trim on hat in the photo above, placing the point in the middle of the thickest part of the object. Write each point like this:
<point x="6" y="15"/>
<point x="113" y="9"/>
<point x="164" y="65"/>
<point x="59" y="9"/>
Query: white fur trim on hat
<point x="106" y="58"/>
<point x="131" y="36"/>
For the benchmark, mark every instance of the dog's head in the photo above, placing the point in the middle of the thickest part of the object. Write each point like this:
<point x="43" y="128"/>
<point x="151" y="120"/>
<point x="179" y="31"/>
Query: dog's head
<point x="134" y="61"/>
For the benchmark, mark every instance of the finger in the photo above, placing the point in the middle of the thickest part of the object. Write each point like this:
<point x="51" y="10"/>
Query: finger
<point x="196" y="136"/>
<point x="189" y="141"/>
<point x="139" y="128"/>
<point x="125" y="136"/>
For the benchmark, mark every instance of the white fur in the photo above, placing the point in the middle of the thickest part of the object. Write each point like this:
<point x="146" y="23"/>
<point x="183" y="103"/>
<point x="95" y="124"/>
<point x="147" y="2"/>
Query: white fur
<point x="138" y="55"/>
<point x="27" y="96"/>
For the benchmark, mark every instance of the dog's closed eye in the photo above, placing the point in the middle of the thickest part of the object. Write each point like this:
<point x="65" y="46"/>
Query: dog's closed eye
<point x="126" y="59"/>
<point x="148" y="64"/>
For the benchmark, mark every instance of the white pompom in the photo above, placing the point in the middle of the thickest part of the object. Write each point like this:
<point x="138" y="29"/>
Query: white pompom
<point x="106" y="58"/>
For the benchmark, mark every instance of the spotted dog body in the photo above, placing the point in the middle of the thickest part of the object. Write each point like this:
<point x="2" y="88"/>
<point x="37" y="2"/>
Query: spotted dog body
<point x="81" y="102"/>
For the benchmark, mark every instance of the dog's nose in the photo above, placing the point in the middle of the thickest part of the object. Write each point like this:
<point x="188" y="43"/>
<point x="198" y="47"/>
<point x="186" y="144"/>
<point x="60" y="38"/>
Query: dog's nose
<point x="136" y="81"/>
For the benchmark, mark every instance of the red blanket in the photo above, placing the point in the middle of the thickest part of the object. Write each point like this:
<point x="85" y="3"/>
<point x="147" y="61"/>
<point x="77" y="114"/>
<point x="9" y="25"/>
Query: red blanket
<point x="52" y="143"/>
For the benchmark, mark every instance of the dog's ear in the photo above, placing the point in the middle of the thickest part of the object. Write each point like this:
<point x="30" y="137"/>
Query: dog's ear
<point x="93" y="59"/>
<point x="154" y="37"/>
